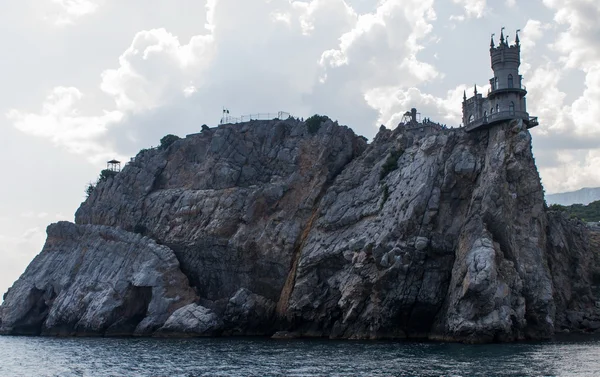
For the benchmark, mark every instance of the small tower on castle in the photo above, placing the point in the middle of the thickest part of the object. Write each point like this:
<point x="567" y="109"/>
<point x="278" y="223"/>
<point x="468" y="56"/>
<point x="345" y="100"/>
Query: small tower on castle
<point x="506" y="98"/>
<point x="113" y="165"/>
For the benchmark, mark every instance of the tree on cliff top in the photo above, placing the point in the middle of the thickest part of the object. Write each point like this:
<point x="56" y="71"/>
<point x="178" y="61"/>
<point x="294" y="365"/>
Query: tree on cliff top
<point x="313" y="123"/>
<point x="167" y="140"/>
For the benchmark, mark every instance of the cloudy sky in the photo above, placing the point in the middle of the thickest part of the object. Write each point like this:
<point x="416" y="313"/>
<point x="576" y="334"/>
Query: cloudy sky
<point x="84" y="81"/>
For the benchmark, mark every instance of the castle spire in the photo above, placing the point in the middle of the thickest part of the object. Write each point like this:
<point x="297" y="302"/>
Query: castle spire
<point x="465" y="96"/>
<point x="475" y="90"/>
<point x="518" y="43"/>
<point x="492" y="45"/>
<point x="502" y="36"/>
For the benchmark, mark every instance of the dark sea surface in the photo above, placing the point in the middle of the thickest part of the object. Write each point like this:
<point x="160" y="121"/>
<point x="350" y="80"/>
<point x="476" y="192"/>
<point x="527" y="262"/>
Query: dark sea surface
<point x="30" y="356"/>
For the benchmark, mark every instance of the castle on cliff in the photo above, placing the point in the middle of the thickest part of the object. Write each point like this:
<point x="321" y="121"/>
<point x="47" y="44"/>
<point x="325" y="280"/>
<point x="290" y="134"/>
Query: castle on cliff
<point x="506" y="98"/>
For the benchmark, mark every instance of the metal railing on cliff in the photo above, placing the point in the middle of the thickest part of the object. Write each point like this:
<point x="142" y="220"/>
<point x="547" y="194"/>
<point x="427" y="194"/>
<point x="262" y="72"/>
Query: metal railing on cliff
<point x="227" y="119"/>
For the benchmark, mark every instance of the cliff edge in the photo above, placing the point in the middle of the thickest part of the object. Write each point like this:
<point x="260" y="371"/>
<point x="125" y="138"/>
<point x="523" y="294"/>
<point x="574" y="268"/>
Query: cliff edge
<point x="264" y="227"/>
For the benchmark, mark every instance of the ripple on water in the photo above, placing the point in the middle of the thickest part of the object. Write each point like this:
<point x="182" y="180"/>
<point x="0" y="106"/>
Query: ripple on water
<point x="26" y="356"/>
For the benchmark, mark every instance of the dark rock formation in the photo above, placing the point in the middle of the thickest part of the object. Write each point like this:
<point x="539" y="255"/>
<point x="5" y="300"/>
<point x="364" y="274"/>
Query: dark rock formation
<point x="263" y="227"/>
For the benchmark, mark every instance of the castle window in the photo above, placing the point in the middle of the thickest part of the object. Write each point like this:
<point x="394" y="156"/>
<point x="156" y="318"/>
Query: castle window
<point x="492" y="110"/>
<point x="485" y="116"/>
<point x="471" y="118"/>
<point x="497" y="108"/>
<point x="511" y="108"/>
<point x="510" y="81"/>
<point x="495" y="83"/>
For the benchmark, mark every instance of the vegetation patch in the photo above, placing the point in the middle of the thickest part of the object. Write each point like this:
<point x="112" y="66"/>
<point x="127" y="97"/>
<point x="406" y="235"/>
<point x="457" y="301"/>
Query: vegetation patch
<point x="589" y="213"/>
<point x="166" y="141"/>
<point x="89" y="189"/>
<point x="391" y="163"/>
<point x="104" y="175"/>
<point x="313" y="123"/>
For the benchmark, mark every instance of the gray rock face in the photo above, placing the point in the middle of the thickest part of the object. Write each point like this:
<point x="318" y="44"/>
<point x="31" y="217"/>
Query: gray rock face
<point x="95" y="280"/>
<point x="269" y="228"/>
<point x="192" y="320"/>
<point x="231" y="202"/>
<point x="249" y="314"/>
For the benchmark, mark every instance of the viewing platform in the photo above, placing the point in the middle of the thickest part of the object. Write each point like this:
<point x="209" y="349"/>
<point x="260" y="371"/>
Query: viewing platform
<point x="498" y="92"/>
<point x="502" y="116"/>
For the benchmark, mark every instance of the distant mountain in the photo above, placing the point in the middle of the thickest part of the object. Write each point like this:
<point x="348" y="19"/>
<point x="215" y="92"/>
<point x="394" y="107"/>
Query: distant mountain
<point x="584" y="196"/>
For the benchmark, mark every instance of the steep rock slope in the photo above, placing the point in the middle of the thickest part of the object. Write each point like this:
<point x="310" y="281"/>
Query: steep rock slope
<point x="443" y="236"/>
<point x="450" y="245"/>
<point x="95" y="280"/>
<point x="232" y="203"/>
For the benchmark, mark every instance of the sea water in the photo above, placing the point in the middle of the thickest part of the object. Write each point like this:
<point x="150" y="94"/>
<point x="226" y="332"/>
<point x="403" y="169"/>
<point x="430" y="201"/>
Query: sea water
<point x="39" y="356"/>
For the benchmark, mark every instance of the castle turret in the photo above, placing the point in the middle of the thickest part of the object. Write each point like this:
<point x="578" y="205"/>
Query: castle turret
<point x="506" y="98"/>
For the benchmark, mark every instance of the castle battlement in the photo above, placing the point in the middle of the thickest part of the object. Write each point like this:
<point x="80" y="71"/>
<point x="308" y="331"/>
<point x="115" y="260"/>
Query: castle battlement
<point x="506" y="98"/>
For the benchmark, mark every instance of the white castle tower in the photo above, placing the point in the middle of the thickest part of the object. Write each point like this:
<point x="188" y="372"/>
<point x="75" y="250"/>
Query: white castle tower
<point x="506" y="98"/>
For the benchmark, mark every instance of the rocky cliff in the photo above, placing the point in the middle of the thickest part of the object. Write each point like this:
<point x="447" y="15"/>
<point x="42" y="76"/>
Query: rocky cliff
<point x="265" y="228"/>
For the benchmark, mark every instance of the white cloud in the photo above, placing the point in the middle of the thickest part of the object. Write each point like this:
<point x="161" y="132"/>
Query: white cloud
<point x="31" y="214"/>
<point x="473" y="8"/>
<point x="61" y="121"/>
<point x="531" y="33"/>
<point x="579" y="42"/>
<point x="570" y="134"/>
<point x="549" y="100"/>
<point x="574" y="170"/>
<point x="71" y="10"/>
<point x="378" y="56"/>
<point x="392" y="103"/>
<point x="155" y="67"/>
<point x="17" y="252"/>
<point x="579" y="48"/>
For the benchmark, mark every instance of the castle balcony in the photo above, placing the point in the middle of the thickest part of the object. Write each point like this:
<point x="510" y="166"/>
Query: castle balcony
<point x="493" y="93"/>
<point x="501" y="116"/>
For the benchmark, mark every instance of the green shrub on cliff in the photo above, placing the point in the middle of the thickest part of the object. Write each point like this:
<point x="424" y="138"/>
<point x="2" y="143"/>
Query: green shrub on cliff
<point x="89" y="189"/>
<point x="588" y="213"/>
<point x="104" y="175"/>
<point x="168" y="140"/>
<point x="313" y="123"/>
<point x="391" y="163"/>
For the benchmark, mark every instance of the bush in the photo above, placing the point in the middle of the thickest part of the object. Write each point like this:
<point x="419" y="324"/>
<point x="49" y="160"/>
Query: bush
<point x="89" y="189"/>
<point x="589" y="213"/>
<point x="313" y="123"/>
<point x="105" y="174"/>
<point x="168" y="140"/>
<point x="557" y="207"/>
<point x="391" y="163"/>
